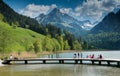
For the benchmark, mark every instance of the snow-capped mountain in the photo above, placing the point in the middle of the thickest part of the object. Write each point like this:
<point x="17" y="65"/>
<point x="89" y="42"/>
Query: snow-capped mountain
<point x="64" y="21"/>
<point x="87" y="25"/>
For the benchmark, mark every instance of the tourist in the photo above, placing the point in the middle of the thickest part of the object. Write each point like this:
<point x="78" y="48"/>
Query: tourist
<point x="78" y="55"/>
<point x="92" y="56"/>
<point x="87" y="56"/>
<point x="74" y="55"/>
<point x="81" y="55"/>
<point x="100" y="56"/>
<point x="11" y="57"/>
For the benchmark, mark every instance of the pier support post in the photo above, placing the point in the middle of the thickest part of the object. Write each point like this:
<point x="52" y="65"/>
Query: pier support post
<point x="61" y="61"/>
<point x="80" y="61"/>
<point x="44" y="61"/>
<point x="26" y="62"/>
<point x="92" y="61"/>
<point x="118" y="64"/>
<point x="99" y="62"/>
<point x="108" y="62"/>
<point x="76" y="61"/>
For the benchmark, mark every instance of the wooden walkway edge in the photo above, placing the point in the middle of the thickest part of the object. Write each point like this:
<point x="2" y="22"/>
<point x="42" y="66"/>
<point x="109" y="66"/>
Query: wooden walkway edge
<point x="63" y="61"/>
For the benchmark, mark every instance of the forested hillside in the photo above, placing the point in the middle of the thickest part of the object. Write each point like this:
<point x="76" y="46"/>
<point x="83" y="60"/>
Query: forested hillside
<point x="106" y="35"/>
<point x="20" y="39"/>
<point x="21" y="33"/>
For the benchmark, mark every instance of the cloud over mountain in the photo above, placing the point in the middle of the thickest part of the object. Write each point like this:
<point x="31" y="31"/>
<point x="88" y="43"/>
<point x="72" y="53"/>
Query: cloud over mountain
<point x="33" y="10"/>
<point x="93" y="10"/>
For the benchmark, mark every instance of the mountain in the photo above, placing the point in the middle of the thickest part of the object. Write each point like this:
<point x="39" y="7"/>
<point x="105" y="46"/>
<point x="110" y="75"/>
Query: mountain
<point x="20" y="33"/>
<point x="63" y="21"/>
<point x="15" y="19"/>
<point x="111" y="23"/>
<point x="20" y="39"/>
<point x="87" y="25"/>
<point x="106" y="34"/>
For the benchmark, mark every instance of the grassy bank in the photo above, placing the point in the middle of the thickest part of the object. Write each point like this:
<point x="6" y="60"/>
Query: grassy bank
<point x="16" y="39"/>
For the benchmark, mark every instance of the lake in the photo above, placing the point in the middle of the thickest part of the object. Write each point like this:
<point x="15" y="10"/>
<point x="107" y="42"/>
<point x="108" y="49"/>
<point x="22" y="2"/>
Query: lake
<point x="64" y="69"/>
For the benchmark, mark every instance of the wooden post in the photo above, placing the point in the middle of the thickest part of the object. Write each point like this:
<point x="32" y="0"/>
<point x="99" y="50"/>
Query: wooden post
<point x="26" y="62"/>
<point x="92" y="61"/>
<point x="100" y="62"/>
<point x="80" y="61"/>
<point x="62" y="61"/>
<point x="76" y="61"/>
<point x="118" y="63"/>
<point x="59" y="61"/>
<point x="44" y="61"/>
<point x="108" y="62"/>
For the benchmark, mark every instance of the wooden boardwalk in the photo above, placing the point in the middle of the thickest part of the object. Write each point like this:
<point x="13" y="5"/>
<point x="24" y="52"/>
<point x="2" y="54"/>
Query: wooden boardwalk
<point x="108" y="62"/>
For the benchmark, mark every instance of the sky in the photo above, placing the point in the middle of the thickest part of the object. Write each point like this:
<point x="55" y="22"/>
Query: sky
<point x="92" y="10"/>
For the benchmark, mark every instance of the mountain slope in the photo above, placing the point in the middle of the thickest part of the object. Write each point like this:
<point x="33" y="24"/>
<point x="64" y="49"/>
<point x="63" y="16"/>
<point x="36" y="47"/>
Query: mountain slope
<point x="62" y="21"/>
<point x="20" y="39"/>
<point x="111" y="23"/>
<point x="54" y="38"/>
<point x="106" y="35"/>
<point x="13" y="18"/>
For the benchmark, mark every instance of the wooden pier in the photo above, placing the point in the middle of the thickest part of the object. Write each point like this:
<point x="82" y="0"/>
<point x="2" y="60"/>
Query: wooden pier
<point x="108" y="62"/>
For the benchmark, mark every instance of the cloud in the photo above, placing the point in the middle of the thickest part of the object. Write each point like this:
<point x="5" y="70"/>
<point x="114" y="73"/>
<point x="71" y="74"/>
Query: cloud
<point x="65" y="10"/>
<point x="95" y="9"/>
<point x="33" y="10"/>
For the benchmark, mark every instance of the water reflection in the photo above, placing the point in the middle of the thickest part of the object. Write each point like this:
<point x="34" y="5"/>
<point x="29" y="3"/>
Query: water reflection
<point x="58" y="70"/>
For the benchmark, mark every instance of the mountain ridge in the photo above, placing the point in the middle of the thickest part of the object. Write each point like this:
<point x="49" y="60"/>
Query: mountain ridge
<point x="63" y="21"/>
<point x="106" y="34"/>
<point x="111" y="22"/>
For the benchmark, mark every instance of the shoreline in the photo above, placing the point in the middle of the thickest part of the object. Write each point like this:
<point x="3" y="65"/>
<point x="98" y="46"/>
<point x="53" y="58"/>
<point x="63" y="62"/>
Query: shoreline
<point x="35" y="55"/>
<point x="22" y="55"/>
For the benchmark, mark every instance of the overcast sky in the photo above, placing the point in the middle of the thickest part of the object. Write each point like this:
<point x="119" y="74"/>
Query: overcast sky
<point x="93" y="10"/>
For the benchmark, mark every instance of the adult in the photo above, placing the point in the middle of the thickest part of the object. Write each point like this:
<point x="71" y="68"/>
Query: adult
<point x="100" y="56"/>
<point x="75" y="56"/>
<point x="78" y="55"/>
<point x="11" y="57"/>
<point x="92" y="56"/>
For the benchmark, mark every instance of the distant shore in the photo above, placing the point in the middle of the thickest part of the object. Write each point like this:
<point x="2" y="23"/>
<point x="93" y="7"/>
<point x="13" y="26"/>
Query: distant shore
<point x="32" y="54"/>
<point x="35" y="55"/>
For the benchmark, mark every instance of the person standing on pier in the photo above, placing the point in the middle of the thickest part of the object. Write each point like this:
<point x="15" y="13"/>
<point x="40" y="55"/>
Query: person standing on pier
<point x="92" y="56"/>
<point x="74" y="55"/>
<point x="100" y="57"/>
<point x="81" y="55"/>
<point x="11" y="57"/>
<point x="78" y="55"/>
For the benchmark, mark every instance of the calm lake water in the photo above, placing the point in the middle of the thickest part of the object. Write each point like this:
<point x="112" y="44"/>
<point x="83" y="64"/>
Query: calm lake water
<point x="64" y="69"/>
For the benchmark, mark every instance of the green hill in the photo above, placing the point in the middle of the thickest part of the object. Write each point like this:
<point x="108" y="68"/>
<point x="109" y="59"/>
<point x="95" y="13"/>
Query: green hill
<point x="15" y="35"/>
<point x="20" y="39"/>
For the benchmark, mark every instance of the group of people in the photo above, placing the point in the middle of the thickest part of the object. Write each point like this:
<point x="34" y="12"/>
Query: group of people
<point x="92" y="56"/>
<point x="79" y="55"/>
